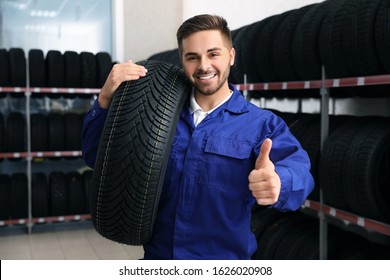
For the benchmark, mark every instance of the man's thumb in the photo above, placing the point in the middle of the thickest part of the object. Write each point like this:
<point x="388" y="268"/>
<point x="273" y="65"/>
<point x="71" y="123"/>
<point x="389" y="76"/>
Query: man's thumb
<point x="263" y="157"/>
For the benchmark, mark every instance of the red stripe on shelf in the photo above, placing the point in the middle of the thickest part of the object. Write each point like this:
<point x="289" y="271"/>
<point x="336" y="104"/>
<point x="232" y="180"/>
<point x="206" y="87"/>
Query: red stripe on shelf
<point x="366" y="223"/>
<point x="316" y="84"/>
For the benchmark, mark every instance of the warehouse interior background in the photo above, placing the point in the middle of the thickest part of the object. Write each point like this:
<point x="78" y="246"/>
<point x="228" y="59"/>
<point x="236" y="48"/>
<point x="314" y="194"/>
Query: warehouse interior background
<point x="125" y="29"/>
<point x="133" y="30"/>
<point x="118" y="26"/>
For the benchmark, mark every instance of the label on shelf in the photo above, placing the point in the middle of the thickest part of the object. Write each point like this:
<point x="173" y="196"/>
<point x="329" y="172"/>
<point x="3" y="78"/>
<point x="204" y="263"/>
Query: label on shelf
<point x="361" y="221"/>
<point x="361" y="81"/>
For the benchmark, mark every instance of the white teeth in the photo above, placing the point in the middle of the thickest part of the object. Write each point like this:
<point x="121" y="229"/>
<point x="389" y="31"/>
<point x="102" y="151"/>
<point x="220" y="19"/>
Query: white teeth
<point x="206" y="77"/>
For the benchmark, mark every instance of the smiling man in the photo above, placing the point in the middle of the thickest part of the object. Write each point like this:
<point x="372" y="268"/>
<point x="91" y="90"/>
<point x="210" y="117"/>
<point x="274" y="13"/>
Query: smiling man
<point x="227" y="154"/>
<point x="207" y="57"/>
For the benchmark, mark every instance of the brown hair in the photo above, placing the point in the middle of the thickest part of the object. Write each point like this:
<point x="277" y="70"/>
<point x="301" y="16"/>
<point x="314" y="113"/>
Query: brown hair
<point x="202" y="23"/>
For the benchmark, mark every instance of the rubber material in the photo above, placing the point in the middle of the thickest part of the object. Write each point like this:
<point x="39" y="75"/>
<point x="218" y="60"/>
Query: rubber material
<point x="133" y="153"/>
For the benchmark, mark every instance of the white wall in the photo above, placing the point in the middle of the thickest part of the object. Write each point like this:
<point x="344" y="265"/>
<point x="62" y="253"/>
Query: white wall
<point x="150" y="25"/>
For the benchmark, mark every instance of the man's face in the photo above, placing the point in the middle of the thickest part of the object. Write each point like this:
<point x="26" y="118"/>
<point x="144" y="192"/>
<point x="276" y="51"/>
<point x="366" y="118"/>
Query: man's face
<point x="206" y="58"/>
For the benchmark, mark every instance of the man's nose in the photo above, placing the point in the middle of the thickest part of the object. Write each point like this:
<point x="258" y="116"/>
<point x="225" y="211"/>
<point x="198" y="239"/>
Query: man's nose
<point x="204" y="64"/>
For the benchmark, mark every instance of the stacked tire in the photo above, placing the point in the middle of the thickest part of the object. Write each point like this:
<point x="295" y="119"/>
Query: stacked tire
<point x="49" y="132"/>
<point x="354" y="165"/>
<point x="348" y="37"/>
<point x="55" y="69"/>
<point x="55" y="194"/>
<point x="54" y="129"/>
<point x="295" y="236"/>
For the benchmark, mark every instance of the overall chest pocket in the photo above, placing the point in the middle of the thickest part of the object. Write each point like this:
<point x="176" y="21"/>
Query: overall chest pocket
<point x="226" y="164"/>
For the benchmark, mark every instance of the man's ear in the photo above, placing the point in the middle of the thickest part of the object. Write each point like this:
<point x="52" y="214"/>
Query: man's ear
<point x="232" y="56"/>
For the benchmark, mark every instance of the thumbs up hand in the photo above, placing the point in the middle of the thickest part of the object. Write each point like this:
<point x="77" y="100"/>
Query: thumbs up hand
<point x="264" y="182"/>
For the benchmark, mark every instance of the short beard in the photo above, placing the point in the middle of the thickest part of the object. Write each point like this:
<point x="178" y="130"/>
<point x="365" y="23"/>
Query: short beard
<point x="213" y="90"/>
<point x="210" y="91"/>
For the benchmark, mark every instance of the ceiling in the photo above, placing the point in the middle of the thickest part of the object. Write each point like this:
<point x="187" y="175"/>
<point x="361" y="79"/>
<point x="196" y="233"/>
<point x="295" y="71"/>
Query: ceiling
<point x="22" y="14"/>
<point x="76" y="25"/>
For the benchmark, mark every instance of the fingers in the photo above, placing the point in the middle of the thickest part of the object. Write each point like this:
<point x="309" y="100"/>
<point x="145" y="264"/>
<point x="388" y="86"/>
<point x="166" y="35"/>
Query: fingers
<point x="120" y="73"/>
<point x="127" y="71"/>
<point x="266" y="193"/>
<point x="269" y="184"/>
<point x="264" y="182"/>
<point x="266" y="201"/>
<point x="263" y="158"/>
<point x="135" y="70"/>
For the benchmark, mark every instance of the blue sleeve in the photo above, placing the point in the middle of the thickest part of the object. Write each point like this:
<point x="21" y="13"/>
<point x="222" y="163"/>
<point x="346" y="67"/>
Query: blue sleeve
<point x="292" y="164"/>
<point x="91" y="133"/>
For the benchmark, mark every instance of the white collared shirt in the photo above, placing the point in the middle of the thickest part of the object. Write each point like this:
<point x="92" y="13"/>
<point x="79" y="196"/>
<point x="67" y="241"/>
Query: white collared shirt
<point x="199" y="114"/>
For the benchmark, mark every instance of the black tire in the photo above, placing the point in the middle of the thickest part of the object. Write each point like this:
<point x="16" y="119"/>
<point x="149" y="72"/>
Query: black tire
<point x="310" y="249"/>
<point x="264" y="48"/>
<point x="330" y="42"/>
<point x="367" y="170"/>
<point x="5" y="195"/>
<point x="294" y="241"/>
<point x="87" y="178"/>
<point x="37" y="68"/>
<point x="289" y="118"/>
<point x="305" y="46"/>
<point x="75" y="190"/>
<point x="72" y="66"/>
<point x="382" y="39"/>
<point x="16" y="132"/>
<point x="340" y="243"/>
<point x="175" y="58"/>
<point x="262" y="218"/>
<point x="19" y="196"/>
<point x="332" y="162"/>
<point x="2" y="134"/>
<point x="282" y="51"/>
<point x="104" y="65"/>
<point x="39" y="138"/>
<point x="310" y="141"/>
<point x="301" y="123"/>
<point x="274" y="234"/>
<point x="133" y="153"/>
<point x="170" y="56"/>
<point x="358" y="39"/>
<point x="88" y="70"/>
<point x="56" y="126"/>
<point x="55" y="69"/>
<point x="39" y="195"/>
<point x="238" y="70"/>
<point x="73" y="124"/>
<point x="17" y="63"/>
<point x="235" y="75"/>
<point x="4" y="70"/>
<point x="58" y="194"/>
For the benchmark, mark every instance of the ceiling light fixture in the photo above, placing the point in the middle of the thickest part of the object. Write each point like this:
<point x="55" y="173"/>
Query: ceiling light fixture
<point x="32" y="27"/>
<point x="43" y="13"/>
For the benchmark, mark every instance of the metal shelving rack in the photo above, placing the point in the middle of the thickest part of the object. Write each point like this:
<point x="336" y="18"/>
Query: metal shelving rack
<point x="30" y="155"/>
<point x="326" y="214"/>
<point x="371" y="229"/>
